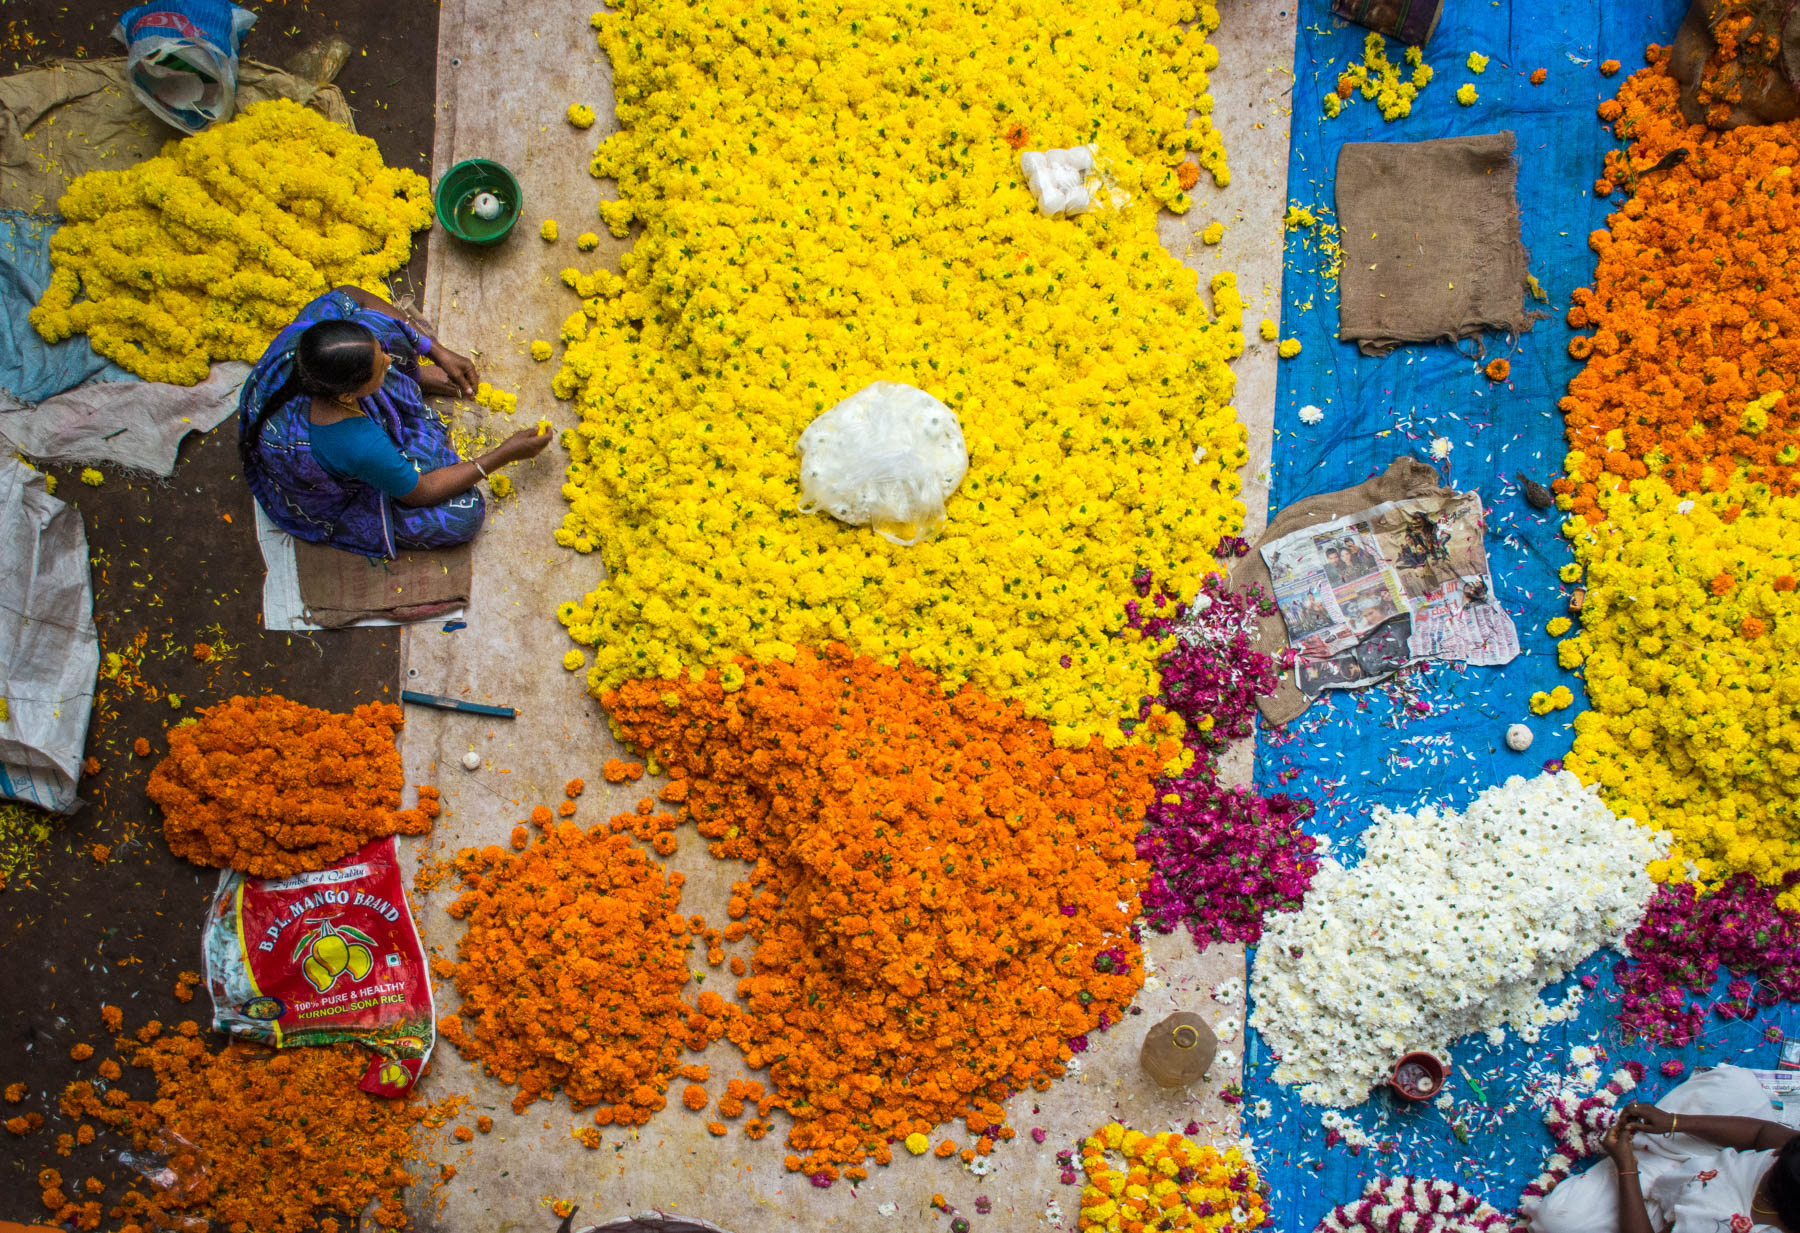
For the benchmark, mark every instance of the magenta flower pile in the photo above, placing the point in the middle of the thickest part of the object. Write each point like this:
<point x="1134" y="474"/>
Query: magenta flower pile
<point x="1686" y="938"/>
<point x="1221" y="858"/>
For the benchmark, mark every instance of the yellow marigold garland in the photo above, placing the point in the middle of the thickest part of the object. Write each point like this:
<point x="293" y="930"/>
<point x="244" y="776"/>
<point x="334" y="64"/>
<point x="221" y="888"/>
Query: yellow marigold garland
<point x="1687" y="641"/>
<point x="1166" y="1181"/>
<point x="849" y="208"/>
<point x="206" y="251"/>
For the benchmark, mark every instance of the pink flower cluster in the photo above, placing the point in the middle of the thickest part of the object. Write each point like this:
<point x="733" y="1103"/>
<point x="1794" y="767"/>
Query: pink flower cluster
<point x="1221" y="857"/>
<point x="1419" y="1205"/>
<point x="1687" y="937"/>
<point x="1214" y="671"/>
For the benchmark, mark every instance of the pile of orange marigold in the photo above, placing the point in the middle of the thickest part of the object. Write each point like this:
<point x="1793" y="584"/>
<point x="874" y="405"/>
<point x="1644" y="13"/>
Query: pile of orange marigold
<point x="571" y="972"/>
<point x="1694" y="311"/>
<point x="271" y="787"/>
<point x="280" y="1141"/>
<point x="941" y="898"/>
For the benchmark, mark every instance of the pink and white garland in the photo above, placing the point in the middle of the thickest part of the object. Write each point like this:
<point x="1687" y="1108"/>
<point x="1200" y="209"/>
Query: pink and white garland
<point x="1578" y="1125"/>
<point x="1415" y="1205"/>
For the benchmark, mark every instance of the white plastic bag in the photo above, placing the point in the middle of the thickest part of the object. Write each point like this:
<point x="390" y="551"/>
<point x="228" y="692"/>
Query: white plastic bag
<point x="182" y="58"/>
<point x="1071" y="181"/>
<point x="885" y="457"/>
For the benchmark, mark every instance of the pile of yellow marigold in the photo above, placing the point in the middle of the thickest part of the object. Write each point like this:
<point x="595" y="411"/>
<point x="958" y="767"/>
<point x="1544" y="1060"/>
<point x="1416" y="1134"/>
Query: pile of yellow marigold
<point x="1682" y="483"/>
<point x="1167" y="1182"/>
<point x="208" y="250"/>
<point x="832" y="196"/>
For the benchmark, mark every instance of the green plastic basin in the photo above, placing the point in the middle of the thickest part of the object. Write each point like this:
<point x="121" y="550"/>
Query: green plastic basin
<point x="456" y="192"/>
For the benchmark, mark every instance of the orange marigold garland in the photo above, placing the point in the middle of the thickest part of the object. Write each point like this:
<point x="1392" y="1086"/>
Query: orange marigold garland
<point x="272" y="787"/>
<point x="941" y="899"/>
<point x="571" y="973"/>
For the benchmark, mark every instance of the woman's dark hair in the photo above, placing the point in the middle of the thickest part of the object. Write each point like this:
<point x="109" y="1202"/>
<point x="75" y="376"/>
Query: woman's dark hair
<point x="331" y="358"/>
<point x="1784" y="1183"/>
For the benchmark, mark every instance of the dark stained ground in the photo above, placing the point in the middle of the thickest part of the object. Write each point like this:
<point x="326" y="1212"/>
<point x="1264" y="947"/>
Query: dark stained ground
<point x="175" y="564"/>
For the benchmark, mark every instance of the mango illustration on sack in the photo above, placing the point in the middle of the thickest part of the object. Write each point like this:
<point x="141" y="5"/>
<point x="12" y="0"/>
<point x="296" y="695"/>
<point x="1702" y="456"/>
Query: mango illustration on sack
<point x="335" y="951"/>
<point x="322" y="956"/>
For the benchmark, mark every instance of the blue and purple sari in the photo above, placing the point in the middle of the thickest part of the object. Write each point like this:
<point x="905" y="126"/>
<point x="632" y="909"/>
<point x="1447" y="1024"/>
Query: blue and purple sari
<point x="310" y="503"/>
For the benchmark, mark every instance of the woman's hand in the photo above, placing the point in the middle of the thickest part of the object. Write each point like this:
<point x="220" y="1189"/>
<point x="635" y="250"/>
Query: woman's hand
<point x="460" y="370"/>
<point x="1617" y="1144"/>
<point x="526" y="443"/>
<point x="1647" y="1119"/>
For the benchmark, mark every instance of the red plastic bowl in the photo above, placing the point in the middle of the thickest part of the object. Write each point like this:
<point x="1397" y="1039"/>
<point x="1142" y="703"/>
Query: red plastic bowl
<point x="1423" y="1076"/>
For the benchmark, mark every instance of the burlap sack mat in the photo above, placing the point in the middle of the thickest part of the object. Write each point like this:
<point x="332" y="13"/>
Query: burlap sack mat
<point x="340" y="588"/>
<point x="1404" y="478"/>
<point x="1431" y="242"/>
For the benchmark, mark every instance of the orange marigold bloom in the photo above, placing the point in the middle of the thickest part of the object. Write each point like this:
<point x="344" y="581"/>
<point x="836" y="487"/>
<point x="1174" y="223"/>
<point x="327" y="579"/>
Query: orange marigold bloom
<point x="694" y="1097"/>
<point x="617" y="771"/>
<point x="1603" y="187"/>
<point x="717" y="1128"/>
<point x="1785" y="582"/>
<point x="1187" y="174"/>
<point x="566" y="809"/>
<point x="521" y="838"/>
<point x="541" y="815"/>
<point x="574" y="788"/>
<point x="1722" y="584"/>
<point x="946" y="1149"/>
<point x="1539" y="76"/>
<point x="82" y="1052"/>
<point x="1608" y="67"/>
<point x="1753" y="627"/>
<point x="141" y="747"/>
<point x="484" y="1123"/>
<point x="1498" y="370"/>
<point x="203" y="651"/>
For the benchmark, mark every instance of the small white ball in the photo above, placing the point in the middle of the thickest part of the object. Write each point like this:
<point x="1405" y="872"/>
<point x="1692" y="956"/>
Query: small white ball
<point x="486" y="205"/>
<point x="472" y="760"/>
<point x="1518" y="738"/>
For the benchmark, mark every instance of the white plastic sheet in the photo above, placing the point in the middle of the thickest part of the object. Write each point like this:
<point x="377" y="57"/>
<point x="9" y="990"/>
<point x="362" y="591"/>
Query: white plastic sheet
<point x="49" y="649"/>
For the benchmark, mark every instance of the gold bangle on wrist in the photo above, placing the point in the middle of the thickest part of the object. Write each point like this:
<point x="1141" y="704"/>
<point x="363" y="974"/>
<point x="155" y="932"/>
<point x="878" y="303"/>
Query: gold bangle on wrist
<point x="1674" y="1121"/>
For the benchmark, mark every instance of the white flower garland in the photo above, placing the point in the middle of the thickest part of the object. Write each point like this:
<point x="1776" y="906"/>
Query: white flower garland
<point x="1413" y="1205"/>
<point x="1578" y="1124"/>
<point x="1451" y="924"/>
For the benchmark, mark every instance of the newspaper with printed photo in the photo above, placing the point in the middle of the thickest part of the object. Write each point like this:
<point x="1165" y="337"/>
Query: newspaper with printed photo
<point x="1365" y="595"/>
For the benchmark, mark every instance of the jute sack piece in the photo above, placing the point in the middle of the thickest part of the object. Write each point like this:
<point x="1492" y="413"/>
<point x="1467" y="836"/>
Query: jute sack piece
<point x="1405" y="478"/>
<point x="1430" y="231"/>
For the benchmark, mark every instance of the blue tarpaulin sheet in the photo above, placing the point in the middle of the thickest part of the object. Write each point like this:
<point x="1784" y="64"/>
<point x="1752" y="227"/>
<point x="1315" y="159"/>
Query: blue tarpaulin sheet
<point x="1436" y="735"/>
<point x="32" y="370"/>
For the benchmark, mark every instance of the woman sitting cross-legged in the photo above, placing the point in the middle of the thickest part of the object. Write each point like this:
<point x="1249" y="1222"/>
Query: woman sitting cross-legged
<point x="1704" y="1159"/>
<point x="338" y="445"/>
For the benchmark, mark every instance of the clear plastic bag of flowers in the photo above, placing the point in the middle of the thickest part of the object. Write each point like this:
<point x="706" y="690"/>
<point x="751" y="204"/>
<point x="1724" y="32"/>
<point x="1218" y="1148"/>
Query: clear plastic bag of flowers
<point x="886" y="457"/>
<point x="1071" y="181"/>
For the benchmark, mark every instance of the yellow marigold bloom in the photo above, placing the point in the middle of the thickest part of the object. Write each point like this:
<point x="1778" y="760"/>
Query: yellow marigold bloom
<point x="774" y="276"/>
<point x="1558" y="626"/>
<point x="581" y="115"/>
<point x="574" y="661"/>
<point x="206" y="251"/>
<point x="587" y="241"/>
<point x="1570" y="572"/>
<point x="547" y="229"/>
<point x="1214" y="232"/>
<point x="1466" y="95"/>
<point x="917" y="1143"/>
<point x="501" y="485"/>
<point x="540" y="350"/>
<point x="1268" y="329"/>
<point x="92" y="478"/>
<point x="1477" y="62"/>
<point x="1289" y="348"/>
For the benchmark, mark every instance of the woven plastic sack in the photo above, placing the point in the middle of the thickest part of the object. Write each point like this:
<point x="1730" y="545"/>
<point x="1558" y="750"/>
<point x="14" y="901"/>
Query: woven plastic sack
<point x="886" y="457"/>
<point x="182" y="58"/>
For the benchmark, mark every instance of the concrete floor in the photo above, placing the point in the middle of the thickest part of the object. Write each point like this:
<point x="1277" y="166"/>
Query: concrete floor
<point x="505" y="75"/>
